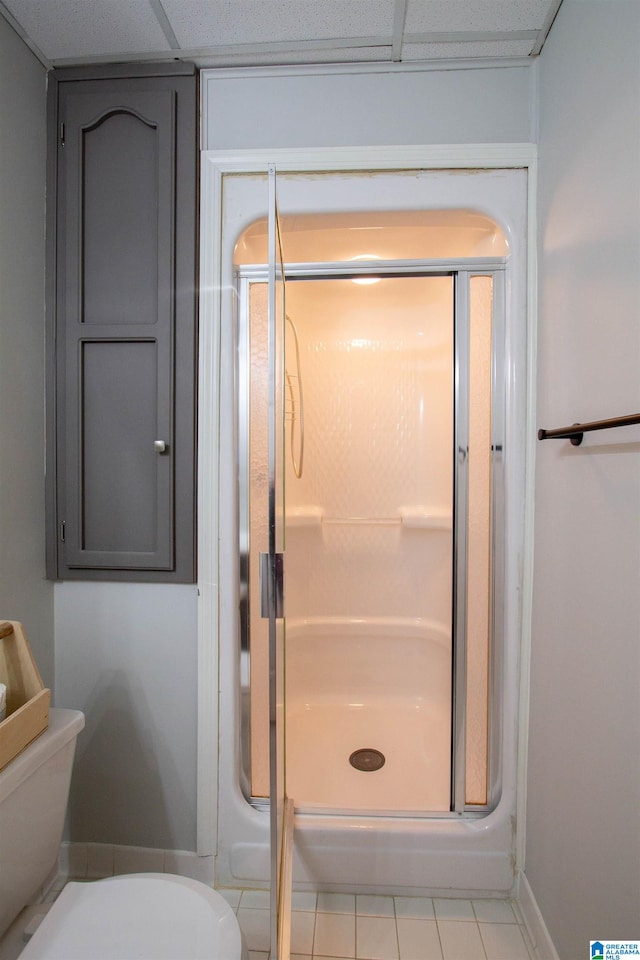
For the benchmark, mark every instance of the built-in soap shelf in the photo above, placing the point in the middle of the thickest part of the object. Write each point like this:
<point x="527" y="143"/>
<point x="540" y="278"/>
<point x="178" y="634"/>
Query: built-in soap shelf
<point x="304" y="516"/>
<point x="428" y="518"/>
<point x="422" y="517"/>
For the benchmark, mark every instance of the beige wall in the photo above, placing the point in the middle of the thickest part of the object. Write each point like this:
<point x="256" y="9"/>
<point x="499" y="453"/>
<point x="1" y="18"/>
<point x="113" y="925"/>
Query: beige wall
<point x="583" y="840"/>
<point x="24" y="593"/>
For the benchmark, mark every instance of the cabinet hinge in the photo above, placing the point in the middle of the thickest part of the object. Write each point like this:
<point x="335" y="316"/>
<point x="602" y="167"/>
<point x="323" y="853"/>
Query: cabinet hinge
<point x="62" y="530"/>
<point x="62" y="134"/>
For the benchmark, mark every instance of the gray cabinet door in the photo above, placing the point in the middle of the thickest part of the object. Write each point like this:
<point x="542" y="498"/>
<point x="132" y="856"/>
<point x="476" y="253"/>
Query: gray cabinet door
<point x="125" y="329"/>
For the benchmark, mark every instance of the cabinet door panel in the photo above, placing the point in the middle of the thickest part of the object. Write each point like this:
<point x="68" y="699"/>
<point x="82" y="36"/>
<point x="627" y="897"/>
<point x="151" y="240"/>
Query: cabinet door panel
<point x="126" y="482"/>
<point x="126" y="240"/>
<point x="125" y="328"/>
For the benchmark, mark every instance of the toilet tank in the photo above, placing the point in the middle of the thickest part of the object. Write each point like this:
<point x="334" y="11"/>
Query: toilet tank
<point x="34" y="789"/>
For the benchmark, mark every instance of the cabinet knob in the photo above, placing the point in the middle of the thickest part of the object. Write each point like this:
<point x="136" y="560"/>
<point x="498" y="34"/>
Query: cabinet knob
<point x="159" y="446"/>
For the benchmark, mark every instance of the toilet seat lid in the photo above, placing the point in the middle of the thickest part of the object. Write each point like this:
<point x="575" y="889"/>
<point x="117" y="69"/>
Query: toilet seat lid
<point x="137" y="917"/>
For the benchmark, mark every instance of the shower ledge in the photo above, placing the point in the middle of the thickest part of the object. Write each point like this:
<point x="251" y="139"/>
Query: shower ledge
<point x="428" y="518"/>
<point x="303" y="516"/>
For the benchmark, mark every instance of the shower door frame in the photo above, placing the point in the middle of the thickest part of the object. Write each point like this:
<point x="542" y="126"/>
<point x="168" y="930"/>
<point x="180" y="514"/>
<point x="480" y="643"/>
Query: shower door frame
<point x="461" y="271"/>
<point x="219" y="819"/>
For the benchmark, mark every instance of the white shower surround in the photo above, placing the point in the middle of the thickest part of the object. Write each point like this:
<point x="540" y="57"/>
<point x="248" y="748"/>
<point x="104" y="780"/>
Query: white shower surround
<point x="462" y="855"/>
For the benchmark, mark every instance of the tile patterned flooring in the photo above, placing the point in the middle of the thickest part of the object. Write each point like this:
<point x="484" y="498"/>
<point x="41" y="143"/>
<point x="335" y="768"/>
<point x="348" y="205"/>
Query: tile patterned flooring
<point x="327" y="926"/>
<point x="339" y="926"/>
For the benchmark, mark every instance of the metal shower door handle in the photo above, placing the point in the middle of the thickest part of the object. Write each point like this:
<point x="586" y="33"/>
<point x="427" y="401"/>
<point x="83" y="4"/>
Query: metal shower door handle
<point x="272" y="585"/>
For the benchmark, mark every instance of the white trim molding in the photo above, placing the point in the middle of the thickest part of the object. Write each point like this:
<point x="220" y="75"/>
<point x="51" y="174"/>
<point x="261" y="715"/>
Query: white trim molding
<point x="484" y="156"/>
<point x="536" y="927"/>
<point x="95" y="861"/>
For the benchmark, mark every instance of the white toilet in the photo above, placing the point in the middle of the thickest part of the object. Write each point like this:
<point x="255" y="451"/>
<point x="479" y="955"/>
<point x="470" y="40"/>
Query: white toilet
<point x="143" y="916"/>
<point x="146" y="916"/>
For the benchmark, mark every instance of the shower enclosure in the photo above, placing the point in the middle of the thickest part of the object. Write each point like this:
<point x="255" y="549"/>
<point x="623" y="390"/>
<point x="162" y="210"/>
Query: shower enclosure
<point x="370" y="490"/>
<point x="389" y="445"/>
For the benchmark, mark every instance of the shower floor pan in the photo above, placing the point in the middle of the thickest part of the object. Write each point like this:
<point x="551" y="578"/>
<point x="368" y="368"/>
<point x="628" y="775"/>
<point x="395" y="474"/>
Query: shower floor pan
<point x="413" y="738"/>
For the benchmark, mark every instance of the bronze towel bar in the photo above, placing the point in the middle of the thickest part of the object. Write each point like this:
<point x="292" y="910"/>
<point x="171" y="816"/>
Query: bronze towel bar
<point x="575" y="432"/>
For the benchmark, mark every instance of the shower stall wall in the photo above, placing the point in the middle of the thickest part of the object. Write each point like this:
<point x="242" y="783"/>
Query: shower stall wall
<point x="401" y="537"/>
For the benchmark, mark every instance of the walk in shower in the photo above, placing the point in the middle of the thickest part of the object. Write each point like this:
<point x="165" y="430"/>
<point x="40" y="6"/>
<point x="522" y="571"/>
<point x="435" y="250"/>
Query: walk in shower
<point x="400" y="308"/>
<point x="387" y="368"/>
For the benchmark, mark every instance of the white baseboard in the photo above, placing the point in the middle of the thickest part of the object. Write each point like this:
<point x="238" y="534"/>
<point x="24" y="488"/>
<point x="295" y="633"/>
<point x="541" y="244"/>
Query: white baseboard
<point x="95" y="861"/>
<point x="534" y="922"/>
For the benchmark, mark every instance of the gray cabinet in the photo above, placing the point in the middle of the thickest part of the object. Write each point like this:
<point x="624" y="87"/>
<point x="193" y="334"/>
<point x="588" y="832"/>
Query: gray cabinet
<point x="122" y="327"/>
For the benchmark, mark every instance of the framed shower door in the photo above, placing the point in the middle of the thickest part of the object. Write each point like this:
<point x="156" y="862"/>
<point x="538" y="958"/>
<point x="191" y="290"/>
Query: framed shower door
<point x="412" y="453"/>
<point x="272" y="589"/>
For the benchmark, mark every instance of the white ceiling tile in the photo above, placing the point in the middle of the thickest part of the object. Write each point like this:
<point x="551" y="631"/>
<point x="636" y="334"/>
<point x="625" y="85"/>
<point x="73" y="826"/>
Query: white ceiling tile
<point x="425" y="16"/>
<point x="89" y="28"/>
<point x="467" y="50"/>
<point x="199" y="23"/>
<point x="247" y="32"/>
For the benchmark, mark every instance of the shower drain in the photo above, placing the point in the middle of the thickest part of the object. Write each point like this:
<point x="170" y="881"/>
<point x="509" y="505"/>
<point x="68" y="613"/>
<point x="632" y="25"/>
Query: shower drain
<point x="367" y="759"/>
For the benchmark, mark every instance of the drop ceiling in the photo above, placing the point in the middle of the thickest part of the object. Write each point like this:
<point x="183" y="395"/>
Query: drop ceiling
<point x="257" y="32"/>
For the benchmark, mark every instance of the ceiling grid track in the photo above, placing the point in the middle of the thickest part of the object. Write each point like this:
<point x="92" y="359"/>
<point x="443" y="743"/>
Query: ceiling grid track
<point x="543" y="33"/>
<point x="399" y="18"/>
<point x="165" y="26"/>
<point x="17" y="26"/>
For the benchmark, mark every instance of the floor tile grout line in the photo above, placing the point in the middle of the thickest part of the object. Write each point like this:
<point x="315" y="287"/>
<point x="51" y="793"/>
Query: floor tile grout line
<point x="446" y="920"/>
<point x="315" y="924"/>
<point x="438" y="932"/>
<point x="395" y="917"/>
